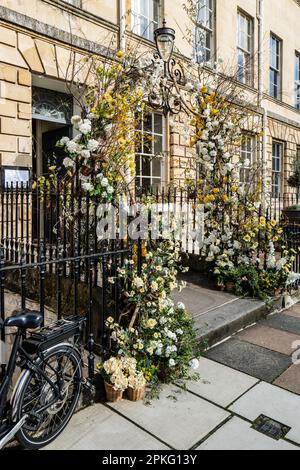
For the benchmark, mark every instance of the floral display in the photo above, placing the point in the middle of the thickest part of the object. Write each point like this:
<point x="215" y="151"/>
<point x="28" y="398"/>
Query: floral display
<point x="241" y="246"/>
<point x="157" y="332"/>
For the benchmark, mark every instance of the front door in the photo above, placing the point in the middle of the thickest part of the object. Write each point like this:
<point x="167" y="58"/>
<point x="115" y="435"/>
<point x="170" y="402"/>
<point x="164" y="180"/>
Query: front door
<point x="53" y="155"/>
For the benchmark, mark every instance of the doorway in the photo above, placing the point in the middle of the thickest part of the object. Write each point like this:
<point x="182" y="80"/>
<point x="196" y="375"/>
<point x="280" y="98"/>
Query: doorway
<point x="51" y="120"/>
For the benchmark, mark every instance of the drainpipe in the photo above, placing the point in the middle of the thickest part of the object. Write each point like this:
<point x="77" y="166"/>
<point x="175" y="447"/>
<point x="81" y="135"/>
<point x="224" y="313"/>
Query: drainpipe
<point x="260" y="104"/>
<point x="122" y="23"/>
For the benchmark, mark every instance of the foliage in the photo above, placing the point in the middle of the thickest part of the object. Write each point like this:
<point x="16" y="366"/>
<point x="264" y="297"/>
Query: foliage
<point x="160" y="335"/>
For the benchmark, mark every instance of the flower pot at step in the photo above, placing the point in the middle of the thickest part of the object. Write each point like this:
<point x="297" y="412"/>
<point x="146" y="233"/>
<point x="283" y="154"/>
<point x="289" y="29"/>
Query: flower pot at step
<point x="230" y="286"/>
<point x="135" y="394"/>
<point x="277" y="293"/>
<point x="112" y="395"/>
<point x="221" y="287"/>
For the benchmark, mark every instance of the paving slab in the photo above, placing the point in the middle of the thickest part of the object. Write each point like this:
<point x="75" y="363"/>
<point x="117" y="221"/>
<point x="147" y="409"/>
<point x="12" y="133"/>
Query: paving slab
<point x="178" y="418"/>
<point x="293" y="311"/>
<point x="290" y="379"/>
<point x="251" y="359"/>
<point x="237" y="434"/>
<point x="220" y="384"/>
<point x="270" y="338"/>
<point x="99" y="428"/>
<point x="274" y="402"/>
<point x="283" y="322"/>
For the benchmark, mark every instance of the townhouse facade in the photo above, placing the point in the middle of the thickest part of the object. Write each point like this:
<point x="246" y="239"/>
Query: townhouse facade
<point x="41" y="40"/>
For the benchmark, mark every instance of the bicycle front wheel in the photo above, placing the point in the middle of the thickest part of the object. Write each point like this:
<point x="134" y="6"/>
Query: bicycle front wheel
<point x="47" y="420"/>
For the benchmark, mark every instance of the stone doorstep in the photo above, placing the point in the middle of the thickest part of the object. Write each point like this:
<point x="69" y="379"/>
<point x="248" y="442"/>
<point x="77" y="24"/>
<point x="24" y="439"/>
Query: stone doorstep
<point x="222" y="322"/>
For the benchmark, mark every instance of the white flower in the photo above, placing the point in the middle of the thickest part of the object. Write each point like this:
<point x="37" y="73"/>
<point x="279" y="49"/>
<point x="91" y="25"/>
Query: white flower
<point x="179" y="331"/>
<point x="72" y="146"/>
<point x="138" y="282"/>
<point x="92" y="145"/>
<point x="110" y="190"/>
<point x="85" y="127"/>
<point x="189" y="86"/>
<point x="64" y="140"/>
<point x="75" y="120"/>
<point x="87" y="186"/>
<point x="172" y="363"/>
<point x="194" y="364"/>
<point x="104" y="182"/>
<point x="85" y="154"/>
<point x="68" y="163"/>
<point x="181" y="306"/>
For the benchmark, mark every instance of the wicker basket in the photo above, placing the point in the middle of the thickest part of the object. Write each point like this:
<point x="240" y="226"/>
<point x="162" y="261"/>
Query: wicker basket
<point x="135" y="394"/>
<point x="112" y="395"/>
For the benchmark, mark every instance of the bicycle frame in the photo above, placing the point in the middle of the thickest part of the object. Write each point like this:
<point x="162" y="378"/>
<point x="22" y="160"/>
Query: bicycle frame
<point x="30" y="364"/>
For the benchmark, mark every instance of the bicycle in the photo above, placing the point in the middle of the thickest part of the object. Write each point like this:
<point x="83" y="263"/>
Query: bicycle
<point x="49" y="386"/>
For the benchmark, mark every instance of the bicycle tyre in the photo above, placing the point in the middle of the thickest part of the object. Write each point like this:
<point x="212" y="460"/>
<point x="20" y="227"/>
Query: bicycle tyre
<point x="27" y="436"/>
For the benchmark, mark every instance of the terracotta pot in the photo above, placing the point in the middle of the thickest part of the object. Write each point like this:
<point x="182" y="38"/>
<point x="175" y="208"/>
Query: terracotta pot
<point x="221" y="287"/>
<point x="277" y="293"/>
<point x="112" y="395"/>
<point x="230" y="286"/>
<point x="135" y="394"/>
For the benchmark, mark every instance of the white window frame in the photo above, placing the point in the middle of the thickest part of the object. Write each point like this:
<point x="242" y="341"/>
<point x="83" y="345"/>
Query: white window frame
<point x="205" y="28"/>
<point x="247" y="152"/>
<point x="277" y="164"/>
<point x="137" y="15"/>
<point x="297" y="80"/>
<point x="245" y="71"/>
<point x="275" y="68"/>
<point x="153" y="179"/>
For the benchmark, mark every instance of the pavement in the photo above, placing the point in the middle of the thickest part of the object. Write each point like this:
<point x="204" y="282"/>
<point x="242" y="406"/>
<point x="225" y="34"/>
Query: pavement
<point x="248" y="397"/>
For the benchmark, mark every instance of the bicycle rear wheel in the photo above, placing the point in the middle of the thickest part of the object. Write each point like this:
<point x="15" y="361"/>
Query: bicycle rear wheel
<point x="64" y="366"/>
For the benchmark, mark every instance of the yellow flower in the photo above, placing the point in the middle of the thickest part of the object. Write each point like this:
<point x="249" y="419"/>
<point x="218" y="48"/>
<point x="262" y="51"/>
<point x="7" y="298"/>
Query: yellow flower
<point x="214" y="112"/>
<point x="216" y="190"/>
<point x="275" y="239"/>
<point x="110" y="320"/>
<point x="234" y="188"/>
<point x="204" y="90"/>
<point x="34" y="185"/>
<point x="120" y="55"/>
<point x="52" y="168"/>
<point x="225" y="198"/>
<point x="151" y="323"/>
<point x="247" y="238"/>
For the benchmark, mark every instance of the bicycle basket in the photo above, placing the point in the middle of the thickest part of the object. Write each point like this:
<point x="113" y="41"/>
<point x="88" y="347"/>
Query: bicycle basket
<point x="53" y="334"/>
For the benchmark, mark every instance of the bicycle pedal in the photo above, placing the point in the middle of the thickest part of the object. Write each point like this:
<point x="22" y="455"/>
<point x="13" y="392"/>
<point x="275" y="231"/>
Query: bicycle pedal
<point x="87" y="384"/>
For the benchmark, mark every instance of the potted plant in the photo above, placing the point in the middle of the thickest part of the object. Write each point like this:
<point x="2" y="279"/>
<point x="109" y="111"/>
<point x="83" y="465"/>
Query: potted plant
<point x="115" y="380"/>
<point x="136" y="386"/>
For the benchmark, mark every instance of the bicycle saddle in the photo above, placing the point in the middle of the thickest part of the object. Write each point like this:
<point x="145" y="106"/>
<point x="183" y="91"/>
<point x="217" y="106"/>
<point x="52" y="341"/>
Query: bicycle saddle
<point x="25" y="320"/>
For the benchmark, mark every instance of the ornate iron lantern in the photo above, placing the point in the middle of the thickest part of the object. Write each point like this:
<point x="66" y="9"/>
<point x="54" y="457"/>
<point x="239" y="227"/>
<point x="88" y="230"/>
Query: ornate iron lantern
<point x="165" y="95"/>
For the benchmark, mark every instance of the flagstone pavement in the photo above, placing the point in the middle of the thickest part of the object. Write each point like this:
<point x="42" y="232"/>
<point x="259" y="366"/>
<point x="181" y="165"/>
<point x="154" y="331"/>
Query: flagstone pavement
<point x="253" y="373"/>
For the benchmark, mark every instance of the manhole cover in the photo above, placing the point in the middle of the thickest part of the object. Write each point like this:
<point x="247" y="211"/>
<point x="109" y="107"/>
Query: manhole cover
<point x="270" y="428"/>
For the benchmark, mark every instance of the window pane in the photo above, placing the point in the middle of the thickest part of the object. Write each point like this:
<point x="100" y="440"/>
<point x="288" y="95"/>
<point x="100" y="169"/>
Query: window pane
<point x="146" y="166"/>
<point x="158" y="144"/>
<point x="158" y="124"/>
<point x="156" y="167"/>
